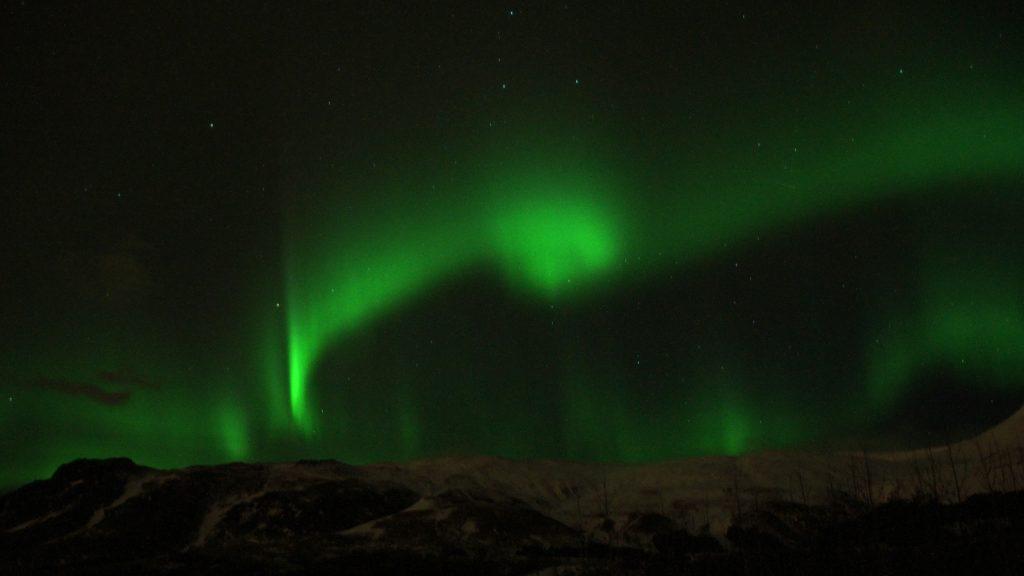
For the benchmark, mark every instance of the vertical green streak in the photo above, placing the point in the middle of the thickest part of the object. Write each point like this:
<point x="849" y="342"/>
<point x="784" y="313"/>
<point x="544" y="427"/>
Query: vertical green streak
<point x="234" y="431"/>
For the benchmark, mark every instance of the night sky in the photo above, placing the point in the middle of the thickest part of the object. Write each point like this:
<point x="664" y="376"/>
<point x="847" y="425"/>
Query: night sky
<point x="562" y="230"/>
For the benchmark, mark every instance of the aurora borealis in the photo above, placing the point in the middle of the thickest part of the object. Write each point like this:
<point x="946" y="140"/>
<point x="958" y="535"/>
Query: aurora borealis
<point x="534" y="232"/>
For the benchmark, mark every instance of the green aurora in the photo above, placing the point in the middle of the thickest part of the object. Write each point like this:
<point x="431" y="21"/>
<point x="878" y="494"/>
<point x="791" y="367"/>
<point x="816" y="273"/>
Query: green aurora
<point x="574" y="286"/>
<point x="560" y="224"/>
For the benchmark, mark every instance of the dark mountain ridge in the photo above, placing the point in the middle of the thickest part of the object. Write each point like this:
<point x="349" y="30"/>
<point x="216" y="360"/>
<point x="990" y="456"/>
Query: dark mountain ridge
<point x="957" y="507"/>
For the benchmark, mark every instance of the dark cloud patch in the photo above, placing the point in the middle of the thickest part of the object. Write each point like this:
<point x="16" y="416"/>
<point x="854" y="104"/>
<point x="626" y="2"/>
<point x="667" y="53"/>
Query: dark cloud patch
<point x="125" y="377"/>
<point x="84" y="390"/>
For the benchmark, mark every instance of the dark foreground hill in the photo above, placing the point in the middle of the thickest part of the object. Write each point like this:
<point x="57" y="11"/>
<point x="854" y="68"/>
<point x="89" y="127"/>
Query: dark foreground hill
<point x="485" y="515"/>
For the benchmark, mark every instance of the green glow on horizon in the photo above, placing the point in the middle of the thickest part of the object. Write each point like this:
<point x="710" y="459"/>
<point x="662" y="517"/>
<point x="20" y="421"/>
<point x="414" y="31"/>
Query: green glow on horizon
<point x="971" y="322"/>
<point x="184" y="413"/>
<point x="712" y="417"/>
<point x="234" y="432"/>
